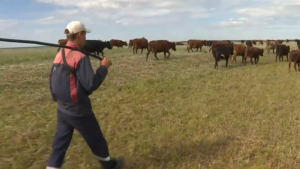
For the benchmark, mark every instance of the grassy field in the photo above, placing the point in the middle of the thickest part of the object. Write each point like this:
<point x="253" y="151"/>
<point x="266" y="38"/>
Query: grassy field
<point x="179" y="113"/>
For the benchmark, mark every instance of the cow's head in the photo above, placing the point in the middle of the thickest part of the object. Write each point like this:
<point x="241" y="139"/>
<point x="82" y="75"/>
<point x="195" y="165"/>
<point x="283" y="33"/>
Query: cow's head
<point x="108" y="45"/>
<point x="173" y="46"/>
<point x="125" y="43"/>
<point x="261" y="52"/>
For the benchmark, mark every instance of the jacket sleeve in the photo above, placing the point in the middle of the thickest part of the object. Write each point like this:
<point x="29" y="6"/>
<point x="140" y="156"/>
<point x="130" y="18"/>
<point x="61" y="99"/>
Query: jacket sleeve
<point x="85" y="75"/>
<point x="50" y="80"/>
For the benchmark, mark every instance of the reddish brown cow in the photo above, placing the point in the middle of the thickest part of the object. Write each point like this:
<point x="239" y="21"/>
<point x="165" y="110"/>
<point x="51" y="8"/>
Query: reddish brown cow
<point x="271" y="45"/>
<point x="294" y="57"/>
<point x="253" y="42"/>
<point x="140" y="43"/>
<point x="157" y="46"/>
<point x="195" y="44"/>
<point x="62" y="42"/>
<point x="260" y="42"/>
<point x="253" y="52"/>
<point x="238" y="50"/>
<point x="279" y="41"/>
<point x="118" y="43"/>
<point x="130" y="43"/>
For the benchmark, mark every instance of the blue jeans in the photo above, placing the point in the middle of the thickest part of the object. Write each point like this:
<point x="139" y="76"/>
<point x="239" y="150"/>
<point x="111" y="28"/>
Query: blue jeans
<point x="87" y="126"/>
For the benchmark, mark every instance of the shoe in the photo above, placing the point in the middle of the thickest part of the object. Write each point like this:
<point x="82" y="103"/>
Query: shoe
<point x="120" y="163"/>
<point x="113" y="163"/>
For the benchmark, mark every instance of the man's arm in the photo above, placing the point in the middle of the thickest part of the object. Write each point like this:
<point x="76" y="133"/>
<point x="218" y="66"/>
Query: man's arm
<point x="86" y="76"/>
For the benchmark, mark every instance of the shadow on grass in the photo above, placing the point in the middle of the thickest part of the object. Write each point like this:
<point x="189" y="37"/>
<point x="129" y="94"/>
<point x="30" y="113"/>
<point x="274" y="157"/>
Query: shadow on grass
<point x="202" y="152"/>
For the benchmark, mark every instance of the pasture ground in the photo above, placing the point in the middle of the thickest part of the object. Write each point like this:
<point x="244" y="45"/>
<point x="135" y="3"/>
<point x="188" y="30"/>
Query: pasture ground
<point x="175" y="114"/>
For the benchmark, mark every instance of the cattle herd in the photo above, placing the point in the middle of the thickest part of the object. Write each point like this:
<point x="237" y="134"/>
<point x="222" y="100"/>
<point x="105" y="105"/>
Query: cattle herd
<point x="220" y="49"/>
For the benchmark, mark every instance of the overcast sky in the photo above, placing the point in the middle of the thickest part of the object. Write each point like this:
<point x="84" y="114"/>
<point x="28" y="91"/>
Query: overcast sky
<point x="174" y="20"/>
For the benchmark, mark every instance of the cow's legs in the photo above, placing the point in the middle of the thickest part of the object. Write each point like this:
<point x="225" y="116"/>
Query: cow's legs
<point x="245" y="59"/>
<point x="257" y="59"/>
<point x="148" y="52"/>
<point x="216" y="62"/>
<point x="165" y="55"/>
<point x="155" y="55"/>
<point x="168" y="54"/>
<point x="142" y="50"/>
<point x="234" y="58"/>
<point x="227" y="61"/>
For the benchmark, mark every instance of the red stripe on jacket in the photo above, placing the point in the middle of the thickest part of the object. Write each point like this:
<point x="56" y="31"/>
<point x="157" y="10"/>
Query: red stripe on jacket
<point x="72" y="58"/>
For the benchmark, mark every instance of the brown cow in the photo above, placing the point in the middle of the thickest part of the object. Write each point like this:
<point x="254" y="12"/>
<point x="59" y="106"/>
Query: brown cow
<point x="253" y="42"/>
<point x="294" y="57"/>
<point x="253" y="52"/>
<point x="260" y="42"/>
<point x="157" y="46"/>
<point x="192" y="43"/>
<point x="287" y="41"/>
<point x="238" y="50"/>
<point x="271" y="45"/>
<point x="279" y="41"/>
<point x="118" y="43"/>
<point x="62" y="42"/>
<point x="140" y="43"/>
<point x="130" y="43"/>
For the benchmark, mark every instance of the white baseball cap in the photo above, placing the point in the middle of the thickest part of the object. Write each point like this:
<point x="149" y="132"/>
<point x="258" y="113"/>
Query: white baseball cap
<point x="76" y="26"/>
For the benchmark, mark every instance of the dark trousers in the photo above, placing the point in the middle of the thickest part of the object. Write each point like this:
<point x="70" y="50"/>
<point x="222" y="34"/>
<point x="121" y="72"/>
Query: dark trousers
<point x="87" y="126"/>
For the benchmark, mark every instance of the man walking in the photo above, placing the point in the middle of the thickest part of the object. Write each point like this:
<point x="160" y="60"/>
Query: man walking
<point x="72" y="80"/>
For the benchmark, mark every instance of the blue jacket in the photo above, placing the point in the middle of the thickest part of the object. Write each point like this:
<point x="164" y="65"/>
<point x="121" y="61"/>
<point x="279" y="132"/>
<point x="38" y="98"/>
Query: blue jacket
<point x="71" y="92"/>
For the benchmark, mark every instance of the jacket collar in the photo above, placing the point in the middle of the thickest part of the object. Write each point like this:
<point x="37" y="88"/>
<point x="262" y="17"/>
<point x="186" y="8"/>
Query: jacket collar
<point x="71" y="44"/>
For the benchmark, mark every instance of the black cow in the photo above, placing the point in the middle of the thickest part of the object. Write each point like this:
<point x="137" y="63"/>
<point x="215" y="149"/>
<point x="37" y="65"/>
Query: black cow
<point x="249" y="43"/>
<point x="96" y="46"/>
<point x="221" y="52"/>
<point x="242" y="41"/>
<point x="207" y="43"/>
<point x="282" y="50"/>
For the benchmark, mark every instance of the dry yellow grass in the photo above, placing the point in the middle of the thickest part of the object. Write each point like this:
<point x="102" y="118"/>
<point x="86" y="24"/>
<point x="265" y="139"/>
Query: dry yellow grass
<point x="175" y="114"/>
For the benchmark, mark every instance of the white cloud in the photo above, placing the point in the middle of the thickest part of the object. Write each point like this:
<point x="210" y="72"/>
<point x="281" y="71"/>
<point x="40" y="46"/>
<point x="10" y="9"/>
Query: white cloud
<point x="266" y="14"/>
<point x="48" y="20"/>
<point x="258" y="12"/>
<point x="125" y="11"/>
